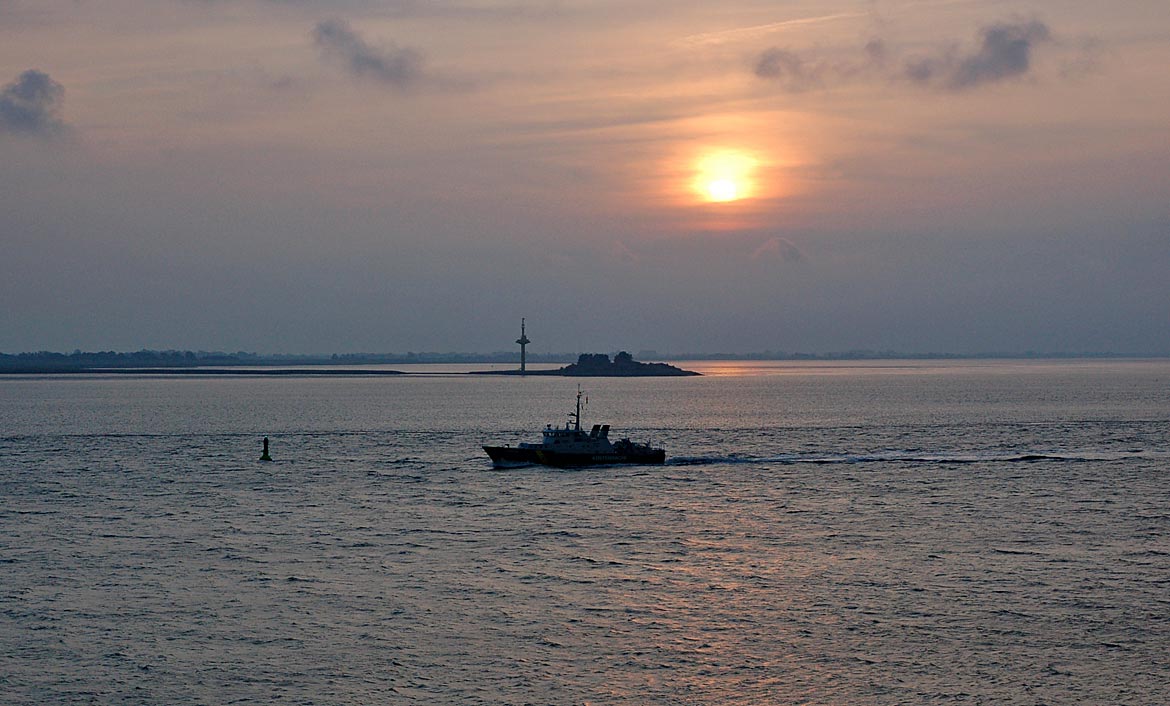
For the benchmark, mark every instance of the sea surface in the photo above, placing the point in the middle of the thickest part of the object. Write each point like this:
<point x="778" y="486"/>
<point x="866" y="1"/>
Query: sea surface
<point x="966" y="532"/>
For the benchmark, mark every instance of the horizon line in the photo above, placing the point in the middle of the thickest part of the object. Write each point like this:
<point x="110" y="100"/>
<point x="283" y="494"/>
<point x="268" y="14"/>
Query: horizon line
<point x="643" y="355"/>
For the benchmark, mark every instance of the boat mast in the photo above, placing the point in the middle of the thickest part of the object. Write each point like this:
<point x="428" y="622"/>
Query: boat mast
<point x="577" y="416"/>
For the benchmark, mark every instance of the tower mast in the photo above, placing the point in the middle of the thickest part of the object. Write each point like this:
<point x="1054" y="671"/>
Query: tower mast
<point x="523" y="341"/>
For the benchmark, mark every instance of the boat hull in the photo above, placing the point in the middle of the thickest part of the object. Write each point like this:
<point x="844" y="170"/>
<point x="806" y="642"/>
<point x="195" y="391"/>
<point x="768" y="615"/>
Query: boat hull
<point x="510" y="456"/>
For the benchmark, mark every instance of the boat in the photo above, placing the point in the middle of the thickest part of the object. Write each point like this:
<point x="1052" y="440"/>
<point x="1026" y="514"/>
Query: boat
<point x="572" y="446"/>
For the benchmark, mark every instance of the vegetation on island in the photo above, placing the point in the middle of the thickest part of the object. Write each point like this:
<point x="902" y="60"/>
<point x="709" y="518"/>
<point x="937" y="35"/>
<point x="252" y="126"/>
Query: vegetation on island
<point x="622" y="365"/>
<point x="599" y="365"/>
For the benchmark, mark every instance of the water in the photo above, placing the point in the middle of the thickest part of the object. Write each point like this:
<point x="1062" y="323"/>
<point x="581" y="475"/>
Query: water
<point x="823" y="533"/>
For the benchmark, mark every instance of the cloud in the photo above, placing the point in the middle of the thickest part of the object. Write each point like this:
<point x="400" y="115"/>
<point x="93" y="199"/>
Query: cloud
<point x="1005" y="52"/>
<point x="876" y="51"/>
<point x="795" y="73"/>
<point x="32" y="105"/>
<point x="739" y="34"/>
<point x="788" y="69"/>
<point x="397" y="67"/>
<point x="1085" y="58"/>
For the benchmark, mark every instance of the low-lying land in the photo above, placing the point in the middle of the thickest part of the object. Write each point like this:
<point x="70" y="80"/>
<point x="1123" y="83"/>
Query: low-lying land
<point x="599" y="365"/>
<point x="187" y="363"/>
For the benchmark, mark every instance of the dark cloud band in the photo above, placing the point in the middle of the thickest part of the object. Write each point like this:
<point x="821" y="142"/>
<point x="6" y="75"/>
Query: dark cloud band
<point x="393" y="66"/>
<point x="1005" y="52"/>
<point x="32" y="104"/>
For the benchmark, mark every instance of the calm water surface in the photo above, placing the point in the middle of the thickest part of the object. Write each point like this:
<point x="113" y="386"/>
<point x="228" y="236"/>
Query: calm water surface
<point x="823" y="533"/>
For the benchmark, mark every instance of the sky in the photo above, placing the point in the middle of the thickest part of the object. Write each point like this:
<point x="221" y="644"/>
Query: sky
<point x="303" y="176"/>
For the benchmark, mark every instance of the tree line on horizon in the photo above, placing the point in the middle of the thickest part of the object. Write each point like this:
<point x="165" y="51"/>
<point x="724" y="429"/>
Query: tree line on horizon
<point x="81" y="360"/>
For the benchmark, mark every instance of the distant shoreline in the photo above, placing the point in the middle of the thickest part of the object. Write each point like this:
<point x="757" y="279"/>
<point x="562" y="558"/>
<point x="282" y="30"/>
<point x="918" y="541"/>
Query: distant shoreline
<point x="187" y="363"/>
<point x="179" y="372"/>
<point x="583" y="368"/>
<point x="336" y="371"/>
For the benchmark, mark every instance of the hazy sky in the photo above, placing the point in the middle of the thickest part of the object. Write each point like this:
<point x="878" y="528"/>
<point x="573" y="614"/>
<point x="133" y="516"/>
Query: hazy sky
<point x="744" y="175"/>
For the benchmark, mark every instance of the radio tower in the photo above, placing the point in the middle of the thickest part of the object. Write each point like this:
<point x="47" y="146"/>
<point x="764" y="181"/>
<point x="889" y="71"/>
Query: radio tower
<point x="523" y="341"/>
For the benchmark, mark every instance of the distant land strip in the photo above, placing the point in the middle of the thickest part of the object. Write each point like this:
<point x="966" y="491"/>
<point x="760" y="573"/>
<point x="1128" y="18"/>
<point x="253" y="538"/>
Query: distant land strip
<point x="587" y="365"/>
<point x="295" y="372"/>
<point x="599" y="365"/>
<point x="219" y="363"/>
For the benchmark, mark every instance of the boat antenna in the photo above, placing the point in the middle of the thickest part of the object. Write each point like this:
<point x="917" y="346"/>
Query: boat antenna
<point x="577" y="415"/>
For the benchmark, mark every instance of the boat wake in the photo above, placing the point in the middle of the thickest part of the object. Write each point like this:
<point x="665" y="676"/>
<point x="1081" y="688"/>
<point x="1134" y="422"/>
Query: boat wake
<point x="908" y="457"/>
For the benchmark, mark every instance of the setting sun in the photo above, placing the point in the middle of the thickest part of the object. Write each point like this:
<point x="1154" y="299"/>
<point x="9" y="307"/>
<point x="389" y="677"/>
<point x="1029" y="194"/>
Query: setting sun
<point x="724" y="176"/>
<point x="722" y="190"/>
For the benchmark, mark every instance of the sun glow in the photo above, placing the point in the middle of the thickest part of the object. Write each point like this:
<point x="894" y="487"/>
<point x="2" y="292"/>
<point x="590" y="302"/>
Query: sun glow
<point x="722" y="190"/>
<point x="724" y="176"/>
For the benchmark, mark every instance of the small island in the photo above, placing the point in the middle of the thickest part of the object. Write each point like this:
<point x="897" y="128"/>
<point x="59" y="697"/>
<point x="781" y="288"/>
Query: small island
<point x="599" y="365"/>
<point x="622" y="365"/>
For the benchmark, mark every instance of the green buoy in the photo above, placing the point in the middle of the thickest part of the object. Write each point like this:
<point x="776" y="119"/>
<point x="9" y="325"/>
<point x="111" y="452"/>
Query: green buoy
<point x="264" y="456"/>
